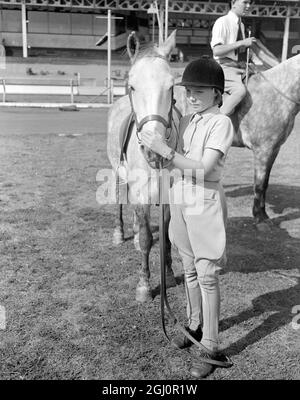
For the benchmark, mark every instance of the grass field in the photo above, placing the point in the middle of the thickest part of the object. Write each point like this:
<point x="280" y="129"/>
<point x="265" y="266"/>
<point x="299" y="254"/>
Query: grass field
<point x="69" y="294"/>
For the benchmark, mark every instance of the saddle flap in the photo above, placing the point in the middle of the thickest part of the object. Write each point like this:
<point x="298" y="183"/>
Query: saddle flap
<point x="124" y="135"/>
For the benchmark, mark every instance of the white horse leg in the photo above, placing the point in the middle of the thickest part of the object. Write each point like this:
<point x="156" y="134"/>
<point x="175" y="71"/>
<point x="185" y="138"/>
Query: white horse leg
<point x="136" y="239"/>
<point x="143" y="289"/>
<point x="118" y="235"/>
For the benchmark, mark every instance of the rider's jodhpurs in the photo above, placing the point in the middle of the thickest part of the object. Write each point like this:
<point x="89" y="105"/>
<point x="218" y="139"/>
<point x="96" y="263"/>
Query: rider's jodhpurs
<point x="234" y="88"/>
<point x="200" y="241"/>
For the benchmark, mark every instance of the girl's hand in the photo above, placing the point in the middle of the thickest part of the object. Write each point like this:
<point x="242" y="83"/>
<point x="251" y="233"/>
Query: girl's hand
<point x="154" y="142"/>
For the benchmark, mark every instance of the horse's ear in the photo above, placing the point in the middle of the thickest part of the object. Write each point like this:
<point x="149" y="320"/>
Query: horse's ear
<point x="169" y="45"/>
<point x="133" y="45"/>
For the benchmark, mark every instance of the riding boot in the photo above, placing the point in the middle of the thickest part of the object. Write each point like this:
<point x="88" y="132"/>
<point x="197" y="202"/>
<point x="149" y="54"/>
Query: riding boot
<point x="202" y="368"/>
<point x="210" y="291"/>
<point x="193" y="296"/>
<point x="182" y="341"/>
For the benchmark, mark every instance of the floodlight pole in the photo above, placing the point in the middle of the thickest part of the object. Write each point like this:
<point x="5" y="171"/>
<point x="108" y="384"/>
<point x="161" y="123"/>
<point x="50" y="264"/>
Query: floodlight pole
<point x="166" y="18"/>
<point x="153" y="26"/>
<point x="154" y="11"/>
<point x="109" y="94"/>
<point x="109" y="86"/>
<point x="286" y="35"/>
<point x="24" y="28"/>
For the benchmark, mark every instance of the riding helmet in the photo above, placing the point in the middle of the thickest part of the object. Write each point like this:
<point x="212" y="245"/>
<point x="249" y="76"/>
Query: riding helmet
<point x="203" y="72"/>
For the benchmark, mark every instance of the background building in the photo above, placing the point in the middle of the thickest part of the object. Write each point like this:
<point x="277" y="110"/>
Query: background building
<point x="69" y="28"/>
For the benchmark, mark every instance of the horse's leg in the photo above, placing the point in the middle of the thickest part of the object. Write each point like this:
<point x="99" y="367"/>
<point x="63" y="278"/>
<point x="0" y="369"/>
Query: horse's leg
<point x="170" y="279"/>
<point x="136" y="239"/>
<point x="262" y="168"/>
<point x="118" y="236"/>
<point x="143" y="290"/>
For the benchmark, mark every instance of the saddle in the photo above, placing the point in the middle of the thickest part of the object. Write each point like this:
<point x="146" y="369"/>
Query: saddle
<point x="121" y="172"/>
<point x="124" y="135"/>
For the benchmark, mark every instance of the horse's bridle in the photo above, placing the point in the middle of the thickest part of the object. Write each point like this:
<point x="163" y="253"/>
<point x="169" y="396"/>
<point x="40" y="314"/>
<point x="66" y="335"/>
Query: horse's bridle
<point x="152" y="117"/>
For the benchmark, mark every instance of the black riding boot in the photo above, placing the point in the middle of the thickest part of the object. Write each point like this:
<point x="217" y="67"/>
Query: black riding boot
<point x="182" y="341"/>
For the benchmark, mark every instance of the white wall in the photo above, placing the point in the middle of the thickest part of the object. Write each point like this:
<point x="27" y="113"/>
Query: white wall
<point x="54" y="29"/>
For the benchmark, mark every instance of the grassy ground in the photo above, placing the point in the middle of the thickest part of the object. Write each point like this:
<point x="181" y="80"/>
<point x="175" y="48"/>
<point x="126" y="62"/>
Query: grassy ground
<point x="69" y="294"/>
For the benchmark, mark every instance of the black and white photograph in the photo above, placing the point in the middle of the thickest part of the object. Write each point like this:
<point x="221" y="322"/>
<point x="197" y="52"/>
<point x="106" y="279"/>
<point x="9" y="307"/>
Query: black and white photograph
<point x="149" y="193"/>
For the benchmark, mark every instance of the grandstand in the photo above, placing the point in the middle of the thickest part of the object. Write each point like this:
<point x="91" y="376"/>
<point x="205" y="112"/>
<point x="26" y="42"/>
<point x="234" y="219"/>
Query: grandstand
<point x="69" y="28"/>
<point x="56" y="39"/>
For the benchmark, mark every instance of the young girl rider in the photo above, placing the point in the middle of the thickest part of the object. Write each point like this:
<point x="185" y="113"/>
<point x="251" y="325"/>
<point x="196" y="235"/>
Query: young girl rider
<point x="200" y="239"/>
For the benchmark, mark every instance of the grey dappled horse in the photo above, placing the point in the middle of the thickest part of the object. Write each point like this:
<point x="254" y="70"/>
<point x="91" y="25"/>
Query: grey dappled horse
<point x="264" y="120"/>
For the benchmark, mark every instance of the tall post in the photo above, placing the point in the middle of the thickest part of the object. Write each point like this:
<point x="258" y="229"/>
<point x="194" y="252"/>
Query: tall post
<point x="153" y="27"/>
<point x="107" y="37"/>
<point x="152" y="10"/>
<point x="109" y="57"/>
<point x="166" y="18"/>
<point x="160" y="20"/>
<point x="286" y="35"/>
<point x="24" y="29"/>
<point x="4" y="91"/>
<point x="72" y="92"/>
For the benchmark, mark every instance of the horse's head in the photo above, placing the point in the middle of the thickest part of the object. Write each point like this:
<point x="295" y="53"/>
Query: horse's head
<point x="150" y="86"/>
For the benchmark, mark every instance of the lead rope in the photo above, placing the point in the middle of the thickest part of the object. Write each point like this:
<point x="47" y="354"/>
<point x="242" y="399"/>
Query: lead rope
<point x="162" y="240"/>
<point x="163" y="292"/>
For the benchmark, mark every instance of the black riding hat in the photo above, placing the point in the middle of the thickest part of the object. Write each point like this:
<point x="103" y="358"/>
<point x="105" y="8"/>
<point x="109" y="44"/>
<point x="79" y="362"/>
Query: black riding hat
<point x="203" y="72"/>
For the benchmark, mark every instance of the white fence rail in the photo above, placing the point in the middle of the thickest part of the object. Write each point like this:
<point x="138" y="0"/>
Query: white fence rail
<point x="71" y="87"/>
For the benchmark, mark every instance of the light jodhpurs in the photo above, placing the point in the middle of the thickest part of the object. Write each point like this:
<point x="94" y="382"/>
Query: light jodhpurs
<point x="200" y="241"/>
<point x="234" y="88"/>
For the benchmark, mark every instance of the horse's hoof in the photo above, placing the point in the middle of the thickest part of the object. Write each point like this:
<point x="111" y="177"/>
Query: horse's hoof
<point x="118" y="238"/>
<point x="143" y="294"/>
<point x="170" y="280"/>
<point x="136" y="242"/>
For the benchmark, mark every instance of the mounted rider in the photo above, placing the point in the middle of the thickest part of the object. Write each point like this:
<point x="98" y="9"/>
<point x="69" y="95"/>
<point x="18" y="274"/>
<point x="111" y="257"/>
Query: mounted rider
<point x="229" y="45"/>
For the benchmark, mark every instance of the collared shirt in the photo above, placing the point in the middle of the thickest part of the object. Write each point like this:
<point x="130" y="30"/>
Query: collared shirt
<point x="225" y="31"/>
<point x="210" y="129"/>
